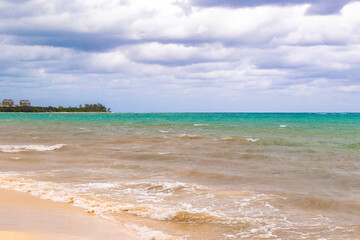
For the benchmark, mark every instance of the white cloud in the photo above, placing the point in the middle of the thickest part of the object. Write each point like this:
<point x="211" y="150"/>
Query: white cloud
<point x="351" y="88"/>
<point x="155" y="52"/>
<point x="172" y="48"/>
<point x="30" y="53"/>
<point x="330" y="29"/>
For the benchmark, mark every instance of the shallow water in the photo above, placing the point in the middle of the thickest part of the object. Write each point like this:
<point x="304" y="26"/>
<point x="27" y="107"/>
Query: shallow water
<point x="194" y="176"/>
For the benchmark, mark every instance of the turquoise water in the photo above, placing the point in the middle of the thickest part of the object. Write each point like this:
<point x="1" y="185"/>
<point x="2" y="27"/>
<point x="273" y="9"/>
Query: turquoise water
<point x="194" y="175"/>
<point x="340" y="130"/>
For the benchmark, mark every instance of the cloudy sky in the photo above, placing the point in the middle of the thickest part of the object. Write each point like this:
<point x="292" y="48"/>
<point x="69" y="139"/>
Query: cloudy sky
<point x="183" y="55"/>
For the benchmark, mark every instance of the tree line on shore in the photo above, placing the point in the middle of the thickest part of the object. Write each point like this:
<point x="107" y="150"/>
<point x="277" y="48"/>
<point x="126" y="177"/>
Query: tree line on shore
<point x="86" y="108"/>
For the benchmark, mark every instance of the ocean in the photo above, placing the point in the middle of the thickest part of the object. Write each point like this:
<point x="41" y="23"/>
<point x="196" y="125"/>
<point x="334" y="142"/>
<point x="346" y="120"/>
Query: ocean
<point x="194" y="175"/>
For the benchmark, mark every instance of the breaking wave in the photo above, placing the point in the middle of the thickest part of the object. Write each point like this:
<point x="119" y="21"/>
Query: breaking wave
<point x="252" y="139"/>
<point x="190" y="136"/>
<point x="257" y="211"/>
<point x="22" y="148"/>
<point x="182" y="213"/>
<point x="240" y="140"/>
<point x="62" y="193"/>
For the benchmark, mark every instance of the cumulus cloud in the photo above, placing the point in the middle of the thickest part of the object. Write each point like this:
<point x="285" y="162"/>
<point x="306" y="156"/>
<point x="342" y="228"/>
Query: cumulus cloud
<point x="162" y="51"/>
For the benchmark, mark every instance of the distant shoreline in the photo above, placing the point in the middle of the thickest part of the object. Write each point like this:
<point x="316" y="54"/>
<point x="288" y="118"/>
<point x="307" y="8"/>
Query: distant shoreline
<point x="87" y="108"/>
<point x="59" y="112"/>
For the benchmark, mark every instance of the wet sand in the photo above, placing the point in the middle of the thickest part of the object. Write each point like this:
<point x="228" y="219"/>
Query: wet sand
<point x="24" y="217"/>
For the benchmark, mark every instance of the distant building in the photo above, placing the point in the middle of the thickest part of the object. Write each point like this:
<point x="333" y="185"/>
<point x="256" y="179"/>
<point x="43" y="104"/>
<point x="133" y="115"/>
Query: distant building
<point x="25" y="103"/>
<point x="7" y="103"/>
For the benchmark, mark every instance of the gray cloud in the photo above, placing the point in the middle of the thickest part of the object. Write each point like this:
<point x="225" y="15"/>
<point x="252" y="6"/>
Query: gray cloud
<point x="247" y="3"/>
<point x="327" y="7"/>
<point x="317" y="6"/>
<point x="69" y="39"/>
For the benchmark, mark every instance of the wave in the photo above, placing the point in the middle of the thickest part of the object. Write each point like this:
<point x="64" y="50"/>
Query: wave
<point x="168" y="186"/>
<point x="92" y="205"/>
<point x="163" y="131"/>
<point x="234" y="139"/>
<point x="263" y="142"/>
<point x="200" y="124"/>
<point x="136" y="139"/>
<point x="209" y="175"/>
<point x="158" y="192"/>
<point x="243" y="140"/>
<point x="156" y="156"/>
<point x="225" y="156"/>
<point x="21" y="148"/>
<point x="252" y="139"/>
<point x="147" y="187"/>
<point x="189" y="136"/>
<point x="280" y="142"/>
<point x="184" y="213"/>
<point x="113" y="210"/>
<point x="255" y="213"/>
<point x="316" y="203"/>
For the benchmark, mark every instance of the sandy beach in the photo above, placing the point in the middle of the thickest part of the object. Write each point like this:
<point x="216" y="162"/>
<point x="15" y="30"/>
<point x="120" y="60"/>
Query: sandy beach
<point x="24" y="217"/>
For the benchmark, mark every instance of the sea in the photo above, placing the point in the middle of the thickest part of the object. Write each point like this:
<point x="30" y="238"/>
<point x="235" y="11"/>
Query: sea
<point x="218" y="176"/>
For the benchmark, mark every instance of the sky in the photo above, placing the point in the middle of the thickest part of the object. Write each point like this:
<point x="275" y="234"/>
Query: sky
<point x="183" y="55"/>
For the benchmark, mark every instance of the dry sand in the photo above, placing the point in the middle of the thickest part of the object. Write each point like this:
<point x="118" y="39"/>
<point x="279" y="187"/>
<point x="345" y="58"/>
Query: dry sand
<point x="24" y="217"/>
<point x="19" y="236"/>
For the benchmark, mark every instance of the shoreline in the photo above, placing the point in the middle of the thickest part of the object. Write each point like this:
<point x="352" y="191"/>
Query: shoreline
<point x="26" y="217"/>
<point x="58" y="112"/>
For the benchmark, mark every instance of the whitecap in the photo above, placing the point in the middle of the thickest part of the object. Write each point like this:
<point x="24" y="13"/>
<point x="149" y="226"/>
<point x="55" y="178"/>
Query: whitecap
<point x="252" y="139"/>
<point x="191" y="136"/>
<point x="283" y="126"/>
<point x="21" y="148"/>
<point x="200" y="124"/>
<point x="164" y="153"/>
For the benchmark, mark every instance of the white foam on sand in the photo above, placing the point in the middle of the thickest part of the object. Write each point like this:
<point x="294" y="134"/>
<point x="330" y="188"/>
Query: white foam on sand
<point x="21" y="148"/>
